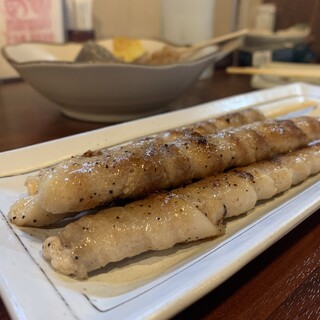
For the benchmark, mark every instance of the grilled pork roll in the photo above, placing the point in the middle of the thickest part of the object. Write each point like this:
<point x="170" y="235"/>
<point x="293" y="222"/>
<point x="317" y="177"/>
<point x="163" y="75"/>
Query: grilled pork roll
<point x="209" y="126"/>
<point x="166" y="218"/>
<point x="146" y="166"/>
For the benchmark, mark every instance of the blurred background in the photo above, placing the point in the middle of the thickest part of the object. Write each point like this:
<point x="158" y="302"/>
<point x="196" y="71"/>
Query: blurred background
<point x="29" y="20"/>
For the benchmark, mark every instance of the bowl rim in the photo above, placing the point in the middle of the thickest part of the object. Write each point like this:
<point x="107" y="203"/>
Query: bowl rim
<point x="13" y="62"/>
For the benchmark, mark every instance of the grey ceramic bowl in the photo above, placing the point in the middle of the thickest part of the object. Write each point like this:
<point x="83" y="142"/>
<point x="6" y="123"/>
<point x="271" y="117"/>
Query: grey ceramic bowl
<point x="102" y="92"/>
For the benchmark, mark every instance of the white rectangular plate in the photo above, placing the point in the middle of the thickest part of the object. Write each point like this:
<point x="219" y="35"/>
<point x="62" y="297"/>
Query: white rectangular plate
<point x="156" y="284"/>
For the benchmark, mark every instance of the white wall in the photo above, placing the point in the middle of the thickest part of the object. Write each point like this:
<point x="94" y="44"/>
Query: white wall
<point x="142" y="17"/>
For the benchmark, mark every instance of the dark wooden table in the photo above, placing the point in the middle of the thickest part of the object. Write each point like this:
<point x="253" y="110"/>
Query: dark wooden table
<point x="282" y="283"/>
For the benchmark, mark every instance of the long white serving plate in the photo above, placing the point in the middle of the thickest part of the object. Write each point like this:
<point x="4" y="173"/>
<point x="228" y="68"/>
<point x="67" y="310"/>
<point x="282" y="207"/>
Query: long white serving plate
<point x="154" y="285"/>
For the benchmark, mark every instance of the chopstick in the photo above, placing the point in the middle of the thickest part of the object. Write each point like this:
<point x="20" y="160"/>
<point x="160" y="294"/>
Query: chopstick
<point x="281" y="72"/>
<point x="283" y="110"/>
<point x="216" y="40"/>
